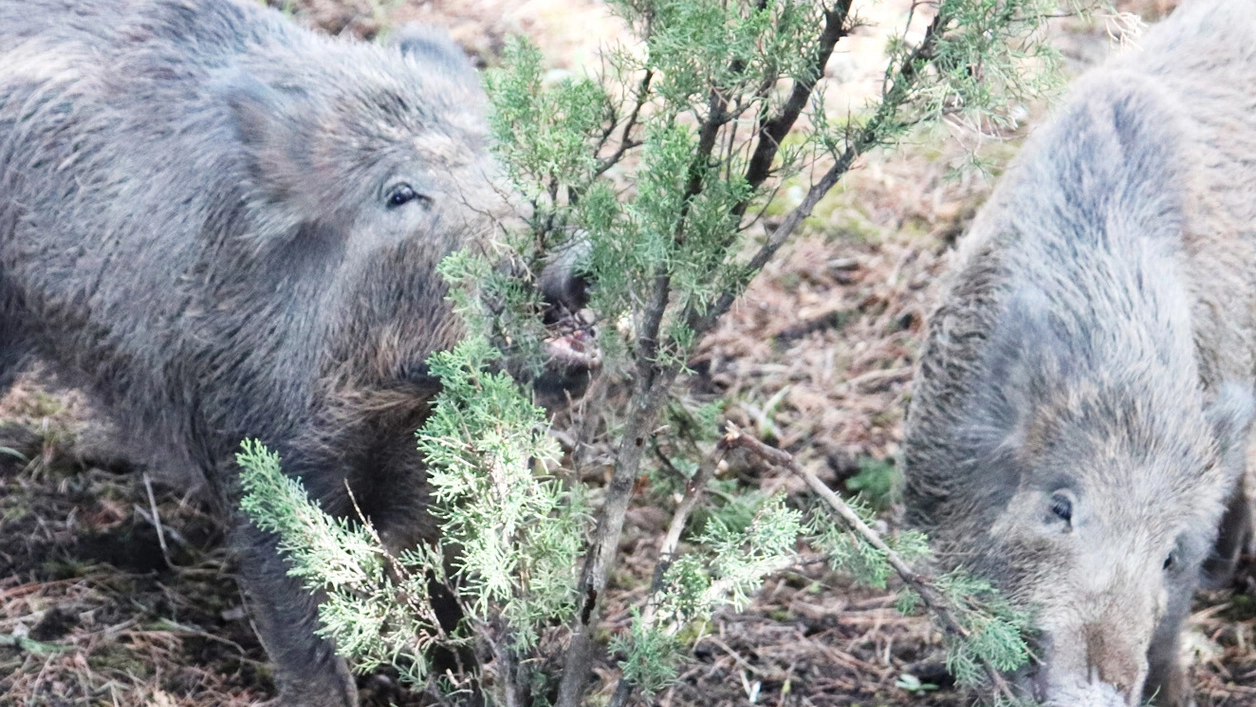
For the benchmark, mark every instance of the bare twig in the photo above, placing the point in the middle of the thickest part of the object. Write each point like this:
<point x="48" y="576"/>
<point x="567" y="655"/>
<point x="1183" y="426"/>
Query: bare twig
<point x="930" y="596"/>
<point x="161" y="535"/>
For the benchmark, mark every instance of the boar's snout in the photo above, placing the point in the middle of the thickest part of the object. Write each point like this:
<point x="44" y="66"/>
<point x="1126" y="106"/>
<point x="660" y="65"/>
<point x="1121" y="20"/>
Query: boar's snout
<point x="1093" y="694"/>
<point x="1123" y="665"/>
<point x="1098" y="664"/>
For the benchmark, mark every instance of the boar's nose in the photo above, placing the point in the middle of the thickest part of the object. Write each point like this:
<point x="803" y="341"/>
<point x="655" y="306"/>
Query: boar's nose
<point x="1115" y="662"/>
<point x="1093" y="695"/>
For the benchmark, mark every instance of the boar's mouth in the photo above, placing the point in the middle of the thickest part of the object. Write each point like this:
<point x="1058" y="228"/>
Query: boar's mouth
<point x="576" y="351"/>
<point x="572" y="342"/>
<point x="571" y="357"/>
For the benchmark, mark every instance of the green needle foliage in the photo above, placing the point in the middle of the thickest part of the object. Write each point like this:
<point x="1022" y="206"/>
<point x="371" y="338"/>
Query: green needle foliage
<point x="655" y="179"/>
<point x="513" y="530"/>
<point x="664" y="165"/>
<point x="374" y="606"/>
<point x="518" y="529"/>
<point x="990" y="631"/>
<point x="851" y="555"/>
<point x="725" y="568"/>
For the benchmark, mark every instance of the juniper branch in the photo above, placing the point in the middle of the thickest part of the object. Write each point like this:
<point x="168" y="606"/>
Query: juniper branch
<point x="653" y="380"/>
<point x="646" y="401"/>
<point x="625" y="136"/>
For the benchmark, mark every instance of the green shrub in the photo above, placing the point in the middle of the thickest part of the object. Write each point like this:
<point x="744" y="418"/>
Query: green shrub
<point x="662" y="168"/>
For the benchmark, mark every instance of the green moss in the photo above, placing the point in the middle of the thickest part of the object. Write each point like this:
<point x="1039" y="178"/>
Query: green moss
<point x="1242" y="608"/>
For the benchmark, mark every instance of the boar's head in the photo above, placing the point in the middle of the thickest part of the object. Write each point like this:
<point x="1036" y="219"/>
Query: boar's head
<point x="355" y="191"/>
<point x="1089" y="495"/>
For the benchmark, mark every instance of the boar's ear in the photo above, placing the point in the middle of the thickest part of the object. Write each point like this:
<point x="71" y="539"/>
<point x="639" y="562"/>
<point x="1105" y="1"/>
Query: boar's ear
<point x="1026" y="355"/>
<point x="268" y="124"/>
<point x="1230" y="414"/>
<point x="432" y="47"/>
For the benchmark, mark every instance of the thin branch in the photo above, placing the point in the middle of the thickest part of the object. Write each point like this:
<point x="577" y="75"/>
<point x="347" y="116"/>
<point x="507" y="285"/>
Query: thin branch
<point x="625" y="136"/>
<point x="930" y="596"/>
<point x="708" y="134"/>
<point x="612" y="112"/>
<point x="507" y="664"/>
<point x="652" y="322"/>
<point x="156" y="520"/>
<point x="773" y="130"/>
<point x="921" y="55"/>
<point x="649" y="392"/>
<point x="694" y="489"/>
<point x="868" y="137"/>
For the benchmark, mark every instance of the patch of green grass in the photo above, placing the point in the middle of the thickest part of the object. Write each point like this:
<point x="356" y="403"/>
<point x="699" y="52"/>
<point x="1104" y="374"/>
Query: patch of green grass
<point x="1242" y="608"/>
<point x="118" y="658"/>
<point x="62" y="569"/>
<point x="781" y="614"/>
<point x="15" y="512"/>
<point x="876" y="482"/>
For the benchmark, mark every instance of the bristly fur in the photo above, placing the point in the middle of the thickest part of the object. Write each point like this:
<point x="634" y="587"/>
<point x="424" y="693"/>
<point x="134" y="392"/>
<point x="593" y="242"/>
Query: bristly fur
<point x="1097" y="339"/>
<point x="194" y="227"/>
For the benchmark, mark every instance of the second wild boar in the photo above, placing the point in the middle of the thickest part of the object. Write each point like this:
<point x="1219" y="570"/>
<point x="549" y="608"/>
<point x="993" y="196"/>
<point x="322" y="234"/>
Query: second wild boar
<point x="1081" y="410"/>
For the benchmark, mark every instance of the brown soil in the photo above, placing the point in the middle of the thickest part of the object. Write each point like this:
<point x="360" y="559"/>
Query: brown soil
<point x="97" y="607"/>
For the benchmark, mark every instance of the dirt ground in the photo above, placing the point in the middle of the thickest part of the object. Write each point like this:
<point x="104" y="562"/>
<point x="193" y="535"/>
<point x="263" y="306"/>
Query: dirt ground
<point x="115" y="588"/>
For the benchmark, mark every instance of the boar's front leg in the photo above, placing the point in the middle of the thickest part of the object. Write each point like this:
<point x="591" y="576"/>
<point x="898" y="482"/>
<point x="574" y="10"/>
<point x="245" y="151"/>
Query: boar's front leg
<point x="1166" y="684"/>
<point x="1233" y="536"/>
<point x="308" y="673"/>
<point x="14" y="347"/>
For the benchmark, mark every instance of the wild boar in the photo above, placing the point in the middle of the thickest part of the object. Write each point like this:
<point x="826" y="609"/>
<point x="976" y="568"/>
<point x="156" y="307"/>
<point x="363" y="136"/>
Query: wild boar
<point x="1081" y="410"/>
<point x="222" y="225"/>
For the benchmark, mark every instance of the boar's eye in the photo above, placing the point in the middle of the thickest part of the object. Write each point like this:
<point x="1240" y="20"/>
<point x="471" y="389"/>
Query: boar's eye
<point x="401" y="194"/>
<point x="1173" y="562"/>
<point x="1062" y="506"/>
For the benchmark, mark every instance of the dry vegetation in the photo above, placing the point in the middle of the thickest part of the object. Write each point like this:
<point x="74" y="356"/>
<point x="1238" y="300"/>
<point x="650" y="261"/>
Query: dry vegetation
<point x="95" y="610"/>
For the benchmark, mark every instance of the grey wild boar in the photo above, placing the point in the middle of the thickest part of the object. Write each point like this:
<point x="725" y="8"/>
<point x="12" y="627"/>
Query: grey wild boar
<point x="1081" y="410"/>
<point x="223" y="226"/>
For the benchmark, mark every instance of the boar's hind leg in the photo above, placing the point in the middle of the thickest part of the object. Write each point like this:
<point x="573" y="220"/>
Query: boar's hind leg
<point x="1233" y="536"/>
<point x="308" y="673"/>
